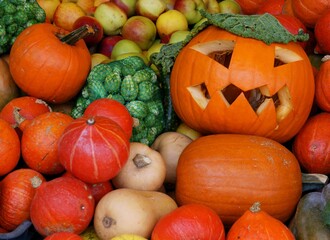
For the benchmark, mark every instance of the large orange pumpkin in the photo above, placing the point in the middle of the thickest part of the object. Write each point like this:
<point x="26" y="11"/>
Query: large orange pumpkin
<point x="223" y="83"/>
<point x="229" y="172"/>
<point x="43" y="66"/>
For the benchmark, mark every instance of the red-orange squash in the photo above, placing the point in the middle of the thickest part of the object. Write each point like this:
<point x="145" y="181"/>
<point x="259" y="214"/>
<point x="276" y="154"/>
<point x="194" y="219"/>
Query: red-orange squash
<point x="43" y="66"/>
<point x="311" y="145"/>
<point x="39" y="142"/>
<point x="223" y="83"/>
<point x="63" y="236"/>
<point x="10" y="148"/>
<point x="17" y="191"/>
<point x="191" y="221"/>
<point x="322" y="85"/>
<point x="258" y="224"/>
<point x="62" y="204"/>
<point x="229" y="172"/>
<point x="93" y="148"/>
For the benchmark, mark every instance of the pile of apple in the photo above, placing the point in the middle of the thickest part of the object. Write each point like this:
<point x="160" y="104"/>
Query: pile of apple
<point x="142" y="25"/>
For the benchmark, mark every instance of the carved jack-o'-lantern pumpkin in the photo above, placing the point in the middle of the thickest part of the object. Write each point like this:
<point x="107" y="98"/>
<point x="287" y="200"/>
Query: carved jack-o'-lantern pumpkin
<point x="223" y="83"/>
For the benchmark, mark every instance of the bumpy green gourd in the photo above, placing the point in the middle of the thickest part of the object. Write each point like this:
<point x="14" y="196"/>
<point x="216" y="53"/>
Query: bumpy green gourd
<point x="134" y="84"/>
<point x="15" y="16"/>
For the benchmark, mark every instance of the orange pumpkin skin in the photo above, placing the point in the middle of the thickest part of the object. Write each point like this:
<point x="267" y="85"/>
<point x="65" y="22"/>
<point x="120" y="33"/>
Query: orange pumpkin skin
<point x="311" y="145"/>
<point x="251" y="69"/>
<point x="10" y="145"/>
<point x="258" y="224"/>
<point x="322" y="83"/>
<point x="309" y="11"/>
<point x="63" y="236"/>
<point x="17" y="191"/>
<point x="62" y="204"/>
<point x="93" y="149"/>
<point x="39" y="142"/>
<point x="229" y="172"/>
<point x="250" y="6"/>
<point x="44" y="67"/>
<point x="191" y="221"/>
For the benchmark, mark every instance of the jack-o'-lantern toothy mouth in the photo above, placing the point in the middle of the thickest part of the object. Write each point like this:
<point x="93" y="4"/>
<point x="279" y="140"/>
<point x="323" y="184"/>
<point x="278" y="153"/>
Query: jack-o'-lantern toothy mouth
<point x="258" y="98"/>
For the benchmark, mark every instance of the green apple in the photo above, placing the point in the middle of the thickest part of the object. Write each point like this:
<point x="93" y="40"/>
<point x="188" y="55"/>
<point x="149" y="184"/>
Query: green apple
<point x="150" y="8"/>
<point x="125" y="46"/>
<point x="190" y="8"/>
<point x="178" y="36"/>
<point x="111" y="17"/>
<point x="229" y="6"/>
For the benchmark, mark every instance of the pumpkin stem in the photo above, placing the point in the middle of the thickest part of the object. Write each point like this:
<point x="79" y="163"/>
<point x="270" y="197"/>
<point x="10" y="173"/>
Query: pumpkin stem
<point x="141" y="161"/>
<point x="77" y="34"/>
<point x="20" y="121"/>
<point x="325" y="58"/>
<point x="255" y="207"/>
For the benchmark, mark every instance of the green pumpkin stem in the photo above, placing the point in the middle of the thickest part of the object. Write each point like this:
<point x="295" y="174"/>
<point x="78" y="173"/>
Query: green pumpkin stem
<point x="77" y="34"/>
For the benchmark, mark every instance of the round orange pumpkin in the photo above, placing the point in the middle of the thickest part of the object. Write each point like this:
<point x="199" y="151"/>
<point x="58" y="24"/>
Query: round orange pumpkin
<point x="63" y="236"/>
<point x="191" y="221"/>
<point x="17" y="191"/>
<point x="223" y="83"/>
<point x="62" y="204"/>
<point x="322" y="83"/>
<point x="311" y="145"/>
<point x="93" y="148"/>
<point x="45" y="67"/>
<point x="10" y="148"/>
<point x="309" y="11"/>
<point x="39" y="142"/>
<point x="229" y="172"/>
<point x="258" y="224"/>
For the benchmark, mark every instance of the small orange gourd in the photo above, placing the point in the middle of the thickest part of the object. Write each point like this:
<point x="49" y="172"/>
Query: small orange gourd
<point x="258" y="224"/>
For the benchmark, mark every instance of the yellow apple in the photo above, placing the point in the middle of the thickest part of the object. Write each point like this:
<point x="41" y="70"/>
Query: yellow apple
<point x="98" y="58"/>
<point x="66" y="14"/>
<point x="125" y="46"/>
<point x="178" y="36"/>
<point x="170" y="22"/>
<point x="49" y="6"/>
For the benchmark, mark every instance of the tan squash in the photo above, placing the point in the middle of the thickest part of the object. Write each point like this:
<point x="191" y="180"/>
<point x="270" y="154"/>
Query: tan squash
<point x="170" y="145"/>
<point x="145" y="169"/>
<point x="8" y="88"/>
<point x="131" y="211"/>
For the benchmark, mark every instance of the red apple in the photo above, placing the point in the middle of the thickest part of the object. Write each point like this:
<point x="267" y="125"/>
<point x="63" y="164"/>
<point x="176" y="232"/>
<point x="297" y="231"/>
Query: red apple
<point x="150" y="8"/>
<point x="66" y="14"/>
<point x="94" y="38"/>
<point x="170" y="4"/>
<point x="190" y="8"/>
<point x="141" y="30"/>
<point x="111" y="17"/>
<point x="127" y="5"/>
<point x="107" y="43"/>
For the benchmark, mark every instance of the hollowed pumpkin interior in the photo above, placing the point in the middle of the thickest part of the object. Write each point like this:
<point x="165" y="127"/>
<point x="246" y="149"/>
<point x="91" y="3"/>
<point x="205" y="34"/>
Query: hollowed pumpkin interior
<point x="258" y="98"/>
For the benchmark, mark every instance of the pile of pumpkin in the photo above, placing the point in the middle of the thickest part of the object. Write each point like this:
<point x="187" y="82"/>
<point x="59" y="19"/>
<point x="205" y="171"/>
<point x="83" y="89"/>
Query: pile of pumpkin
<point x="260" y="119"/>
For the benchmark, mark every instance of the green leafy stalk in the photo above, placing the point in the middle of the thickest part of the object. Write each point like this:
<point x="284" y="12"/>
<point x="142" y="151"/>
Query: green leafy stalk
<point x="263" y="27"/>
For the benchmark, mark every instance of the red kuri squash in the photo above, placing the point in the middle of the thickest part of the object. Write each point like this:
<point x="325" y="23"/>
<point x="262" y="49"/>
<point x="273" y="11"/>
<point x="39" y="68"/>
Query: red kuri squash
<point x="62" y="204"/>
<point x="17" y="191"/>
<point x="93" y="148"/>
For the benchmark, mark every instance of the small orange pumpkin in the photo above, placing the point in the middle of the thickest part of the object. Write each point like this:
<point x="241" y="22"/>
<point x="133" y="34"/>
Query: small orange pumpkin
<point x="39" y="141"/>
<point x="229" y="172"/>
<point x="223" y="83"/>
<point x="322" y="83"/>
<point x="46" y="67"/>
<point x="17" y="191"/>
<point x="10" y="145"/>
<point x="258" y="224"/>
